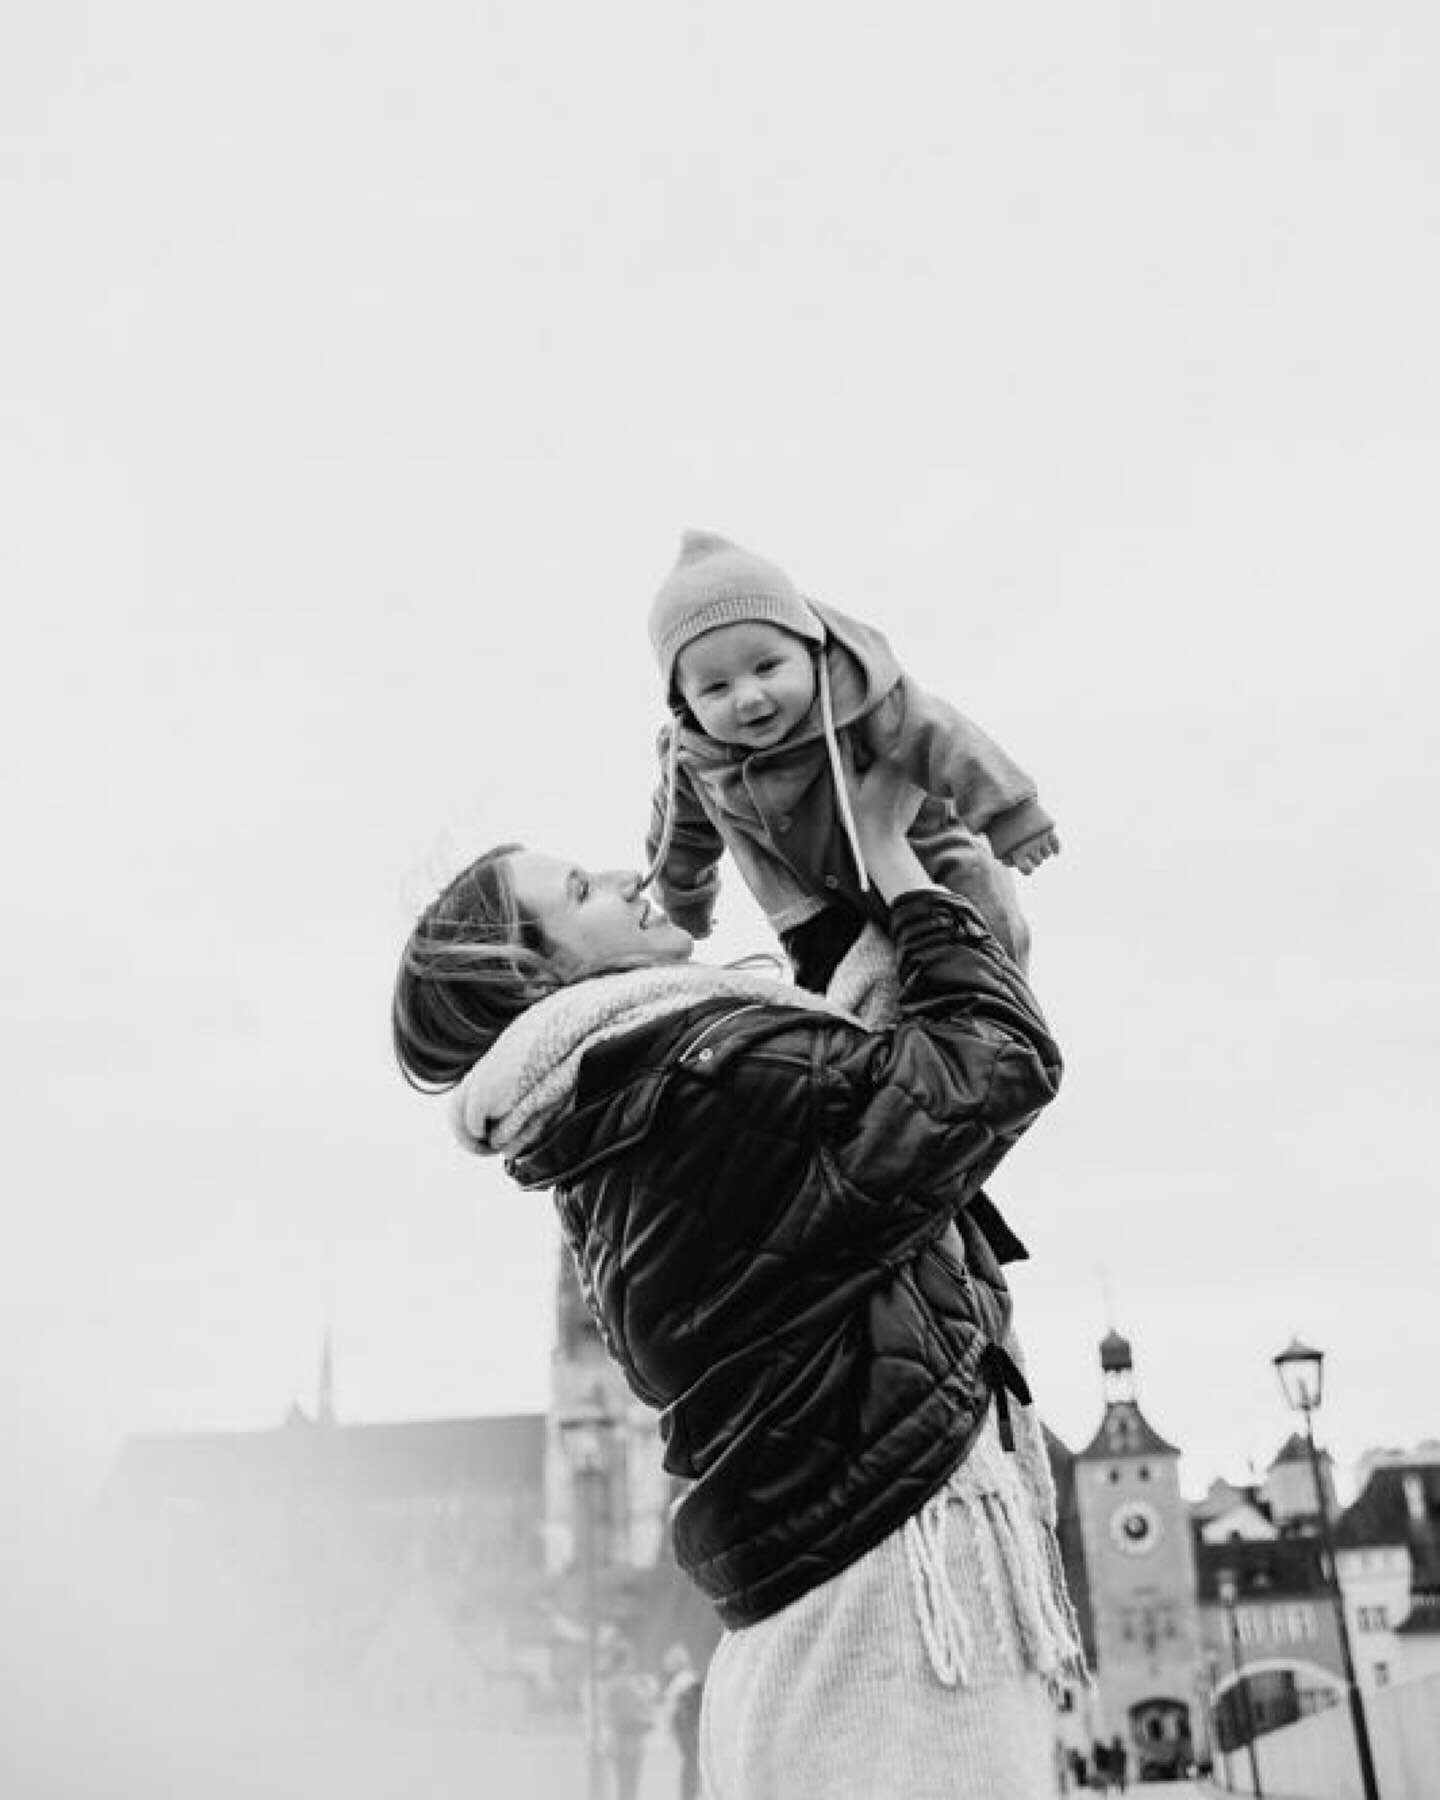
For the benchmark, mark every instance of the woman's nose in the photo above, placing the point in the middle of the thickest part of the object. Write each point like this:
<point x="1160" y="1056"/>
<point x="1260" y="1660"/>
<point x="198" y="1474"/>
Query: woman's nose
<point x="626" y="882"/>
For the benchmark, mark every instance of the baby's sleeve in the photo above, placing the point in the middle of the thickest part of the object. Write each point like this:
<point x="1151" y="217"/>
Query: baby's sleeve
<point x="948" y="755"/>
<point x="688" y="878"/>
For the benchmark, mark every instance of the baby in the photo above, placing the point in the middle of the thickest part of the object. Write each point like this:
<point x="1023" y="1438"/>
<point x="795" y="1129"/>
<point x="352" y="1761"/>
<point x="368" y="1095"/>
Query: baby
<point x="775" y="697"/>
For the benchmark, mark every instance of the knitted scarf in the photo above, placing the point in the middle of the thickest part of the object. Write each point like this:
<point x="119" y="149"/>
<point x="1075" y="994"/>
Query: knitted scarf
<point x="527" y="1077"/>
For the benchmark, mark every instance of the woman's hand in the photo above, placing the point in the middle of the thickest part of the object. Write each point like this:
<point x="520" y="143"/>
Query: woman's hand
<point x="885" y="802"/>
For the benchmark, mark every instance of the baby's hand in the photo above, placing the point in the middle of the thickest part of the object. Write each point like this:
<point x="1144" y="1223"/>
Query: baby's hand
<point x="1028" y="856"/>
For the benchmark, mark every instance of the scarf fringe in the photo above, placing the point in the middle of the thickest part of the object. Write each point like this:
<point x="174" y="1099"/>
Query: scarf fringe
<point x="1020" y="1574"/>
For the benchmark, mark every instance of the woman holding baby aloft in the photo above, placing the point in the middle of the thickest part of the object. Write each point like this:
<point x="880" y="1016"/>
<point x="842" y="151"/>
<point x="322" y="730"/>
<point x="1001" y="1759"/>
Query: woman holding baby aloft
<point x="767" y="1202"/>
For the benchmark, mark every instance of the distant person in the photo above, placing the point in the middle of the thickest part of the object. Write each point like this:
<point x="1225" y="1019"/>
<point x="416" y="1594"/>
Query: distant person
<point x="684" y="1691"/>
<point x="776" y="701"/>
<point x="769" y="1207"/>
<point x="627" y="1711"/>
<point x="1119" y="1763"/>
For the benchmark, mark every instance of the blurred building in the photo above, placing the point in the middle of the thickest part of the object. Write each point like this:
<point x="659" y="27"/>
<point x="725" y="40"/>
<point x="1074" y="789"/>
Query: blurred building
<point x="1139" y="1555"/>
<point x="1212" y="1621"/>
<point x="438" y="1567"/>
<point x="399" y="1564"/>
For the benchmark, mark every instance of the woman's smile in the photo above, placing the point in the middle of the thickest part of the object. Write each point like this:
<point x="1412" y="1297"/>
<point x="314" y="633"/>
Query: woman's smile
<point x="594" y="921"/>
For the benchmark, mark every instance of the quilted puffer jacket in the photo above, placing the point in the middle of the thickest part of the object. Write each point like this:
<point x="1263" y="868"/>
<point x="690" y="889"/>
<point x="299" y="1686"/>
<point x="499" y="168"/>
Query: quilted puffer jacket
<point x="769" y="1212"/>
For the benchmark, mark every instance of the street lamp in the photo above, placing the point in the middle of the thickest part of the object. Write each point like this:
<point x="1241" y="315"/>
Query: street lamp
<point x="582" y="1432"/>
<point x="1205" y="1687"/>
<point x="1302" y="1377"/>
<point x="1227" y="1587"/>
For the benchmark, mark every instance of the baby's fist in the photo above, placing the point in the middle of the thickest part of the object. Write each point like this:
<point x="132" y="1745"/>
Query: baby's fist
<point x="1027" y="857"/>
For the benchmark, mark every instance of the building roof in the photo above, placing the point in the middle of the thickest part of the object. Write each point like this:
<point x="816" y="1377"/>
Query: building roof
<point x="1399" y="1504"/>
<point x="1294" y="1449"/>
<point x="1224" y="1496"/>
<point x="411" y="1460"/>
<point x="1264" y="1568"/>
<point x="1115" y="1353"/>
<point x="1125" y="1431"/>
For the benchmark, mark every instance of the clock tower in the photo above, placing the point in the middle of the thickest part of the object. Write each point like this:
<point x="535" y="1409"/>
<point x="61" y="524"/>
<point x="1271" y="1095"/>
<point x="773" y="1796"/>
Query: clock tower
<point x="1140" y="1564"/>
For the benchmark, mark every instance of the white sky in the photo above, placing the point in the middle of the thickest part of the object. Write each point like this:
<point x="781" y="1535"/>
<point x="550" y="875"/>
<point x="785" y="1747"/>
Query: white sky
<point x="361" y="366"/>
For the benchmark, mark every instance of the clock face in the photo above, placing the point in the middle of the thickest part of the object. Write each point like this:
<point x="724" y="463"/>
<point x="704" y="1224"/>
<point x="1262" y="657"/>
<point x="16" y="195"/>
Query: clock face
<point x="1135" y="1527"/>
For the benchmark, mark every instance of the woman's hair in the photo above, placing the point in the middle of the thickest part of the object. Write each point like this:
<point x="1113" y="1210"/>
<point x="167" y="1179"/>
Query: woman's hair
<point x="473" y="963"/>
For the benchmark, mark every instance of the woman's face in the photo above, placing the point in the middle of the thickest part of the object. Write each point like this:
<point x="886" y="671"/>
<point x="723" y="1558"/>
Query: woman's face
<point x="594" y="922"/>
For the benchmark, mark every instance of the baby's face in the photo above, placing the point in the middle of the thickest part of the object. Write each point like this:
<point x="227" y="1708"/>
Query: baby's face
<point x="747" y="684"/>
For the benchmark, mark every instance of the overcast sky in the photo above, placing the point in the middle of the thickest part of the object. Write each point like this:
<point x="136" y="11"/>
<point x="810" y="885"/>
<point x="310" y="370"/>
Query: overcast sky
<point x="361" y="367"/>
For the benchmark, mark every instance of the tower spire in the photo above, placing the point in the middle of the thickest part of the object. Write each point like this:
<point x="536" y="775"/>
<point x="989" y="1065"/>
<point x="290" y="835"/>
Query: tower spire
<point x="1117" y="1368"/>
<point x="325" y="1388"/>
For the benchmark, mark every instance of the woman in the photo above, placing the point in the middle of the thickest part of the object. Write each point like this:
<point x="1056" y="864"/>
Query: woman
<point x="769" y="1206"/>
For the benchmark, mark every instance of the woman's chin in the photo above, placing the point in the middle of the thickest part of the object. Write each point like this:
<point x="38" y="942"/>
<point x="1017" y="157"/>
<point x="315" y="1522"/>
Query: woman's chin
<point x="667" y="941"/>
<point x="675" y="945"/>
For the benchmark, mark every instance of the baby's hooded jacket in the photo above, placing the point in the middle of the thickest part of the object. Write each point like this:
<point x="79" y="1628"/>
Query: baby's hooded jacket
<point x="777" y="812"/>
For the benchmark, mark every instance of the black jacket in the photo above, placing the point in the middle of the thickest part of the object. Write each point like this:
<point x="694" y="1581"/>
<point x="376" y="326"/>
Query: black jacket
<point x="767" y="1208"/>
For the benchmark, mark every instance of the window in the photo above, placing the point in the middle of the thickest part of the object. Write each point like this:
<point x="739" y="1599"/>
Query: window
<point x="1247" y="1626"/>
<point x="1372" y="1618"/>
<point x="1144" y="1471"/>
<point x="1382" y="1674"/>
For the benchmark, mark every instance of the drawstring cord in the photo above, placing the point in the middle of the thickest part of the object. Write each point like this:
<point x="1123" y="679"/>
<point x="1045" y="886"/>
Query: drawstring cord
<point x="1004" y="1377"/>
<point x="837" y="772"/>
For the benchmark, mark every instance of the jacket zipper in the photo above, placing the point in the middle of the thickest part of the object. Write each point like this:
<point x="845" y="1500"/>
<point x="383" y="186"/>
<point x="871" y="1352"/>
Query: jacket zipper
<point x="705" y="1030"/>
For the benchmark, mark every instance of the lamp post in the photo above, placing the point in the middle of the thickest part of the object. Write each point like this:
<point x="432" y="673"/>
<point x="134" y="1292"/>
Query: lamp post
<point x="1302" y="1377"/>
<point x="583" y="1434"/>
<point x="1205" y="1687"/>
<point x="1227" y="1587"/>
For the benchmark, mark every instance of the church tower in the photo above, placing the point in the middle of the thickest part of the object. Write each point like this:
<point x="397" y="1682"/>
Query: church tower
<point x="631" y="1496"/>
<point x="1140" y="1562"/>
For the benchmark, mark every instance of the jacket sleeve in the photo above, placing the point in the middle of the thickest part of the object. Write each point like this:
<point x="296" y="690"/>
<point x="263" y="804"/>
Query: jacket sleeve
<point x="949" y="755"/>
<point x="689" y="878"/>
<point x="916" y="1117"/>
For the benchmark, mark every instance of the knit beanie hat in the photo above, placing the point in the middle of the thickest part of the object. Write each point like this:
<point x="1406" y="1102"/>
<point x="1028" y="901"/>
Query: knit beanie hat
<point x="715" y="583"/>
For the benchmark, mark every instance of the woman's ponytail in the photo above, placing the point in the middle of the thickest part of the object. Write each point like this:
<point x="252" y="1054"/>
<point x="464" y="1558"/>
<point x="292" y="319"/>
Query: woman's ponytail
<point x="472" y="964"/>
